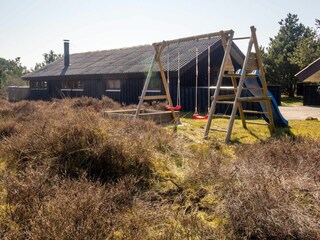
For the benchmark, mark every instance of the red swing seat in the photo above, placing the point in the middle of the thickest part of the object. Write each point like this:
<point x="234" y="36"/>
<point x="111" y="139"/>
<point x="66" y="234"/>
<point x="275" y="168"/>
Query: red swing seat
<point x="199" y="117"/>
<point x="171" y="108"/>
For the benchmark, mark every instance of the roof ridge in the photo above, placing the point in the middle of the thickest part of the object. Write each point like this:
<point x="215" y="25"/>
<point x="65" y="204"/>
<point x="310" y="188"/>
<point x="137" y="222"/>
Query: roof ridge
<point x="113" y="49"/>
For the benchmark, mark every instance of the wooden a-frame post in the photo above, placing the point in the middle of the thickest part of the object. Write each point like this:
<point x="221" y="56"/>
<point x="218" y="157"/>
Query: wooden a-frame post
<point x="158" y="48"/>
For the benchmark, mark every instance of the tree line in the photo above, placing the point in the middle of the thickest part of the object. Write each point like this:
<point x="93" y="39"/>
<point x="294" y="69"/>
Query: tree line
<point x="12" y="70"/>
<point x="294" y="47"/>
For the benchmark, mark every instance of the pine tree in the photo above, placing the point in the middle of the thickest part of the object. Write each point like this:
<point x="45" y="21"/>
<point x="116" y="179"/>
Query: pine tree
<point x="279" y="68"/>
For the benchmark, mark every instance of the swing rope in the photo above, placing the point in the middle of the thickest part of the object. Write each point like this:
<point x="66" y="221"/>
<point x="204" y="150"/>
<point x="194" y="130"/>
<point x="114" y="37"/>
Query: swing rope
<point x="197" y="75"/>
<point x="209" y="75"/>
<point x="168" y="68"/>
<point x="178" y="86"/>
<point x="196" y="115"/>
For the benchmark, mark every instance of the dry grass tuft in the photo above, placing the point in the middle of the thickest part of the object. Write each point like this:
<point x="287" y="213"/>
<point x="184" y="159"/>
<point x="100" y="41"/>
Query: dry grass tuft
<point x="79" y="141"/>
<point x="275" y="191"/>
<point x="41" y="206"/>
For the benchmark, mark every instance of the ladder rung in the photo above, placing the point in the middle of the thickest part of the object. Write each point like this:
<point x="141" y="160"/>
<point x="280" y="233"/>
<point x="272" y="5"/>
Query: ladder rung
<point x="234" y="88"/>
<point x="224" y="87"/>
<point x="257" y="123"/>
<point x="248" y="75"/>
<point x="253" y="99"/>
<point x="254" y="112"/>
<point x="156" y="97"/>
<point x="224" y="97"/>
<point x="241" y="38"/>
<point x="225" y="102"/>
<point x="218" y="129"/>
<point x="221" y="116"/>
<point x="252" y="88"/>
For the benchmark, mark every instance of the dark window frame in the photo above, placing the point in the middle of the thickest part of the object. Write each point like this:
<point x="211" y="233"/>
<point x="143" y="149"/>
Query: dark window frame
<point x="113" y="85"/>
<point x="72" y="85"/>
<point x="38" y="85"/>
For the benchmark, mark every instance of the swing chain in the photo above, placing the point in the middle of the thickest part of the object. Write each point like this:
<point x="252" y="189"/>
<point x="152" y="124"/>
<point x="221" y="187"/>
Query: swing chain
<point x="209" y="73"/>
<point x="197" y="75"/>
<point x="168" y="67"/>
<point x="178" y="85"/>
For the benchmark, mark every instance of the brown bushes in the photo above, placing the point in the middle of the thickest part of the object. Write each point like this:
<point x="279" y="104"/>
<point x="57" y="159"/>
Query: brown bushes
<point x="41" y="206"/>
<point x="47" y="195"/>
<point x="275" y="191"/>
<point x="71" y="174"/>
<point x="76" y="141"/>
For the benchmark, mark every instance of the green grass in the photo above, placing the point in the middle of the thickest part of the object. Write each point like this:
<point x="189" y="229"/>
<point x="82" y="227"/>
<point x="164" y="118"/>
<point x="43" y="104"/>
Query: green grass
<point x="291" y="101"/>
<point x="193" y="130"/>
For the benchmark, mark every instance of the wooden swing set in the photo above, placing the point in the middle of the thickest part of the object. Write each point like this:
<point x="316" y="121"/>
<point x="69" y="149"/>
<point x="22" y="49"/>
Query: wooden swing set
<point x="252" y="61"/>
<point x="171" y="113"/>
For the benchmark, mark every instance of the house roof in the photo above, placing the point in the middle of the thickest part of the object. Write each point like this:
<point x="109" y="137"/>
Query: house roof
<point x="124" y="60"/>
<point x="311" y="73"/>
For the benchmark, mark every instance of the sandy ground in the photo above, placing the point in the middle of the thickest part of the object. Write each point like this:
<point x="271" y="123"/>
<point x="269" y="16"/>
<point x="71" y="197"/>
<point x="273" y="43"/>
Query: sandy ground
<point x="300" y="112"/>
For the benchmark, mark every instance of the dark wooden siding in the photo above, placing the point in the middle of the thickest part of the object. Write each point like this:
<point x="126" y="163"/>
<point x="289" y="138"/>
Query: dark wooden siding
<point x="37" y="94"/>
<point x="129" y="93"/>
<point x="311" y="96"/>
<point x="93" y="88"/>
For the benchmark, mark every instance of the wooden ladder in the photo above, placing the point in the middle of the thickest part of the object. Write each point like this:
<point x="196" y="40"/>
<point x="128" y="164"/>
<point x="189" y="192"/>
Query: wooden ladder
<point x="252" y="61"/>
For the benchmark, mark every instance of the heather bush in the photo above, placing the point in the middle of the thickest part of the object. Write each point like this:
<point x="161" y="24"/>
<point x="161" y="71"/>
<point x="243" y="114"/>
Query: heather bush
<point x="94" y="104"/>
<point x="7" y="128"/>
<point x="42" y="206"/>
<point x="69" y="173"/>
<point x="77" y="141"/>
<point x="275" y="191"/>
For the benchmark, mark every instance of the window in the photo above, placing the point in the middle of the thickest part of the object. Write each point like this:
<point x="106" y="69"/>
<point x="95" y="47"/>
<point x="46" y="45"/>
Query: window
<point x="40" y="85"/>
<point x="72" y="85"/>
<point x="154" y="85"/>
<point x="113" y="85"/>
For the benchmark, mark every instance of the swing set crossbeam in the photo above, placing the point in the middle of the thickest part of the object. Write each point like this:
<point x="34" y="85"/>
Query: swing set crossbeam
<point x="194" y="38"/>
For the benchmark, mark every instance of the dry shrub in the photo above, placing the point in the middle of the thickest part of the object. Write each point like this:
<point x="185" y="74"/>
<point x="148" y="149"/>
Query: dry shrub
<point x="55" y="144"/>
<point x="21" y="111"/>
<point x="84" y="142"/>
<point x="77" y="141"/>
<point x="155" y="220"/>
<point x="95" y="104"/>
<point x="275" y="192"/>
<point x="203" y="165"/>
<point x="41" y="206"/>
<point x="7" y="128"/>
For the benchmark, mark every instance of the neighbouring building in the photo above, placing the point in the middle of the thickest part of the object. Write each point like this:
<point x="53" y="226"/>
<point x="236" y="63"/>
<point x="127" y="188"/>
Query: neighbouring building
<point x="310" y="78"/>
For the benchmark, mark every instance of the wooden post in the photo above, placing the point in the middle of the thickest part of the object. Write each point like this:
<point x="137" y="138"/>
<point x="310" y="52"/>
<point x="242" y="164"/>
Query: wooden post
<point x="219" y="83"/>
<point x="234" y="83"/>
<point x="164" y="80"/>
<point x="263" y="78"/>
<point x="145" y="86"/>
<point x="239" y="90"/>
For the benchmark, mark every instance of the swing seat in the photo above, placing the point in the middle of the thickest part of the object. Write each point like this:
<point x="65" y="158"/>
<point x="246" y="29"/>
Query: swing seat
<point x="199" y="117"/>
<point x="176" y="108"/>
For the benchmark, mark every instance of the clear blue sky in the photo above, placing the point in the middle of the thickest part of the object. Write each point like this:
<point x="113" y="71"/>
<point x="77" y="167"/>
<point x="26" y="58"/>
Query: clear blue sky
<point x="29" y="28"/>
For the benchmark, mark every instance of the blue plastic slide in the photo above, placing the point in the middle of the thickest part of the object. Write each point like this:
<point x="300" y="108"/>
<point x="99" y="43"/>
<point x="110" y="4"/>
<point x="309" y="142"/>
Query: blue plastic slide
<point x="279" y="120"/>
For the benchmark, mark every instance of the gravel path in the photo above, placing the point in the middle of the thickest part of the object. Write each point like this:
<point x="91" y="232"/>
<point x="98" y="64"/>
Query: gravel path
<point x="300" y="112"/>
